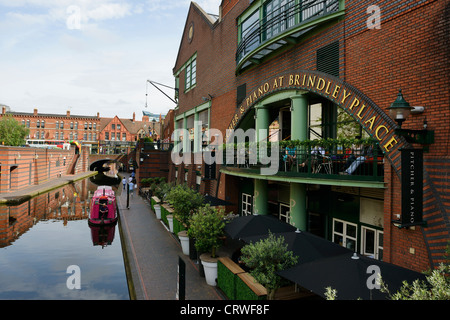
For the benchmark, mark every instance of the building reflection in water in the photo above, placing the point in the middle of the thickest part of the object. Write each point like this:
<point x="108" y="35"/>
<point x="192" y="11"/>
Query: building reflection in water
<point x="67" y="203"/>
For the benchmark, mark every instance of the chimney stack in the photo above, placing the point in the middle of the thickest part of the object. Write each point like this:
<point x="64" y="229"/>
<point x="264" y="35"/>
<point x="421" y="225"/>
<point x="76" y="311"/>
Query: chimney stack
<point x="68" y="113"/>
<point x="35" y="112"/>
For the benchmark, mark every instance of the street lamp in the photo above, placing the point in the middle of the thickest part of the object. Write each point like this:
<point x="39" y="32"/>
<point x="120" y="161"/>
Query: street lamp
<point x="399" y="111"/>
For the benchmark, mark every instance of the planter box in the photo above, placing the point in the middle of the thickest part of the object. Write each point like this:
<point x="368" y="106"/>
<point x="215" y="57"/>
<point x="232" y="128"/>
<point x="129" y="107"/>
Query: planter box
<point x="227" y="271"/>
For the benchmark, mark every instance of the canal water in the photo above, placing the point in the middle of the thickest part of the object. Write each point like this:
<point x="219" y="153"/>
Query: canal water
<point x="48" y="250"/>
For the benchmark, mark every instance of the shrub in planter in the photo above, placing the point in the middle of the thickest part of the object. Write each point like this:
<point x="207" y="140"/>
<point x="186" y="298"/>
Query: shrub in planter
<point x="206" y="226"/>
<point x="184" y="202"/>
<point x="265" y="258"/>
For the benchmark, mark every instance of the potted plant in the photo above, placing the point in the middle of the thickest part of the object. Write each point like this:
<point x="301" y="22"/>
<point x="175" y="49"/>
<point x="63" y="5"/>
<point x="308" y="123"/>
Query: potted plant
<point x="207" y="228"/>
<point x="184" y="202"/>
<point x="160" y="191"/>
<point x="265" y="258"/>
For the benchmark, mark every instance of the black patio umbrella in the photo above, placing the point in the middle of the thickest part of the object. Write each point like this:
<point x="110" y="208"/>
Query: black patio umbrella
<point x="213" y="201"/>
<point x="352" y="275"/>
<point x="252" y="225"/>
<point x="305" y="245"/>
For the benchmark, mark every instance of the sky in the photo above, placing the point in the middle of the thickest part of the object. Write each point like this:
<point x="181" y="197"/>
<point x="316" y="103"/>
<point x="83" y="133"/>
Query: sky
<point x="89" y="56"/>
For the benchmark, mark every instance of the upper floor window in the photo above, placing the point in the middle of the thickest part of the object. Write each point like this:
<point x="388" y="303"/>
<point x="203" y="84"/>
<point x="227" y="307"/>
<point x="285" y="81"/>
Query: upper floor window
<point x="118" y="126"/>
<point x="280" y="20"/>
<point x="113" y="126"/>
<point x="43" y="124"/>
<point x="57" y="125"/>
<point x="38" y="124"/>
<point x="191" y="74"/>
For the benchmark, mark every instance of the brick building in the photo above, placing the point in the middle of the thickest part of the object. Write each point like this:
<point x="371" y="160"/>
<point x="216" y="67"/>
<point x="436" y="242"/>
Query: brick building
<point x="58" y="127"/>
<point x="313" y="71"/>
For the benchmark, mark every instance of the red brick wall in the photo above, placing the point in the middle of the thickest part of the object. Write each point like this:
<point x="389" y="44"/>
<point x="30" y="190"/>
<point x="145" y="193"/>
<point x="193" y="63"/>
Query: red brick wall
<point x="410" y="51"/>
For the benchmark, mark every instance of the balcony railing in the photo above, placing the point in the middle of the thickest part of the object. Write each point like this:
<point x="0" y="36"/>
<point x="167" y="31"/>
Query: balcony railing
<point x="282" y="20"/>
<point x="362" y="161"/>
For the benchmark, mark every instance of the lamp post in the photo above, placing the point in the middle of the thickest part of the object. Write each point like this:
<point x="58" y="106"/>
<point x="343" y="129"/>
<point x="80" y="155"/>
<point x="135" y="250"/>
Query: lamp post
<point x="399" y="111"/>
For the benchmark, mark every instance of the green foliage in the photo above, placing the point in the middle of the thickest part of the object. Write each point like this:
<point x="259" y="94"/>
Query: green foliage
<point x="226" y="280"/>
<point x="185" y="201"/>
<point x="206" y="226"/>
<point x="265" y="258"/>
<point x="161" y="190"/>
<point x="12" y="133"/>
<point x="436" y="286"/>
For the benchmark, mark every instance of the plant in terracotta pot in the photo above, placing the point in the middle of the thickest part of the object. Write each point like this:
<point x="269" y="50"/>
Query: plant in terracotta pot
<point x="206" y="227"/>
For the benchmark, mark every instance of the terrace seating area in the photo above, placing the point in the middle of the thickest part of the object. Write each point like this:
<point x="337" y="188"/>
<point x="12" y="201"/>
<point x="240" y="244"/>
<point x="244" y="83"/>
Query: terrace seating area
<point x="362" y="160"/>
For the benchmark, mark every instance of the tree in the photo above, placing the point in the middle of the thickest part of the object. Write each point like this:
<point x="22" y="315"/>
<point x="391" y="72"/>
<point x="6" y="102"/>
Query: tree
<point x="265" y="258"/>
<point x="185" y="201"/>
<point x="207" y="228"/>
<point x="12" y="133"/>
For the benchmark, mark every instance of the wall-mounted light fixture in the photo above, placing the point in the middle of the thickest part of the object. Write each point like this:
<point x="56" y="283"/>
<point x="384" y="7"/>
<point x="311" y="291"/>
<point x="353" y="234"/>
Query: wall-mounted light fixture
<point x="399" y="111"/>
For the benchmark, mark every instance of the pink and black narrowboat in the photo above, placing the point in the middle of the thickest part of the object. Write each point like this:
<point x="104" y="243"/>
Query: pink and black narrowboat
<point x="103" y="207"/>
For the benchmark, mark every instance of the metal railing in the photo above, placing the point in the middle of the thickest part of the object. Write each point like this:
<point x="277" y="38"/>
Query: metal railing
<point x="282" y="19"/>
<point x="364" y="162"/>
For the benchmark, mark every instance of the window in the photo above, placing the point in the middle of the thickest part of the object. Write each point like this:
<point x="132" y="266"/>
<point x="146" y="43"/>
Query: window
<point x="278" y="16"/>
<point x="85" y="126"/>
<point x="38" y="124"/>
<point x="28" y="123"/>
<point x="57" y="125"/>
<point x="285" y="213"/>
<point x="61" y="125"/>
<point x="118" y="126"/>
<point x="372" y="242"/>
<point x="113" y="136"/>
<point x="250" y="34"/>
<point x="90" y="126"/>
<point x="246" y="204"/>
<point x="345" y="234"/>
<point x="124" y="136"/>
<point x="76" y="125"/>
<point x="57" y="135"/>
<point x="43" y="124"/>
<point x="85" y="136"/>
<point x="95" y="126"/>
<point x="71" y="126"/>
<point x="191" y="74"/>
<point x="106" y="135"/>
<point x="113" y="127"/>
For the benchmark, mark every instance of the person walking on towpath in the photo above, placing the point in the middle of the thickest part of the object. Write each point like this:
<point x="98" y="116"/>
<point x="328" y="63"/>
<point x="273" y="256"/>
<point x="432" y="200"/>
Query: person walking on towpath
<point x="131" y="187"/>
<point x="124" y="182"/>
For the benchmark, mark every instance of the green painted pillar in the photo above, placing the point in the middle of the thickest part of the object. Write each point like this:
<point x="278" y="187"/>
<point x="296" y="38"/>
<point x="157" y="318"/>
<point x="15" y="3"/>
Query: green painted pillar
<point x="299" y="131"/>
<point x="299" y="117"/>
<point x="261" y="122"/>
<point x="261" y="197"/>
<point x="299" y="217"/>
<point x="197" y="134"/>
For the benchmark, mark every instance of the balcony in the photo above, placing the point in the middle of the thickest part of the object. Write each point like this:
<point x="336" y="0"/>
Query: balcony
<point x="327" y="161"/>
<point x="282" y="27"/>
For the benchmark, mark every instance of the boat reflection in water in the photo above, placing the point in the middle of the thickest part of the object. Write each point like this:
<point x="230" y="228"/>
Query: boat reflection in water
<point x="103" y="235"/>
<point x="42" y="237"/>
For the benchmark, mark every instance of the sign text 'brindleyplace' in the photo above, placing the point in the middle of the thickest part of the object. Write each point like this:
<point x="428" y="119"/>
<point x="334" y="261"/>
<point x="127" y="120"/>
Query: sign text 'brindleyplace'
<point x="331" y="89"/>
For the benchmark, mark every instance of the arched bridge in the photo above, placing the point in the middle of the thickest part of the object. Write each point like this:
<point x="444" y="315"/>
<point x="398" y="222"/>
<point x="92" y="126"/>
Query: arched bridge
<point x="96" y="161"/>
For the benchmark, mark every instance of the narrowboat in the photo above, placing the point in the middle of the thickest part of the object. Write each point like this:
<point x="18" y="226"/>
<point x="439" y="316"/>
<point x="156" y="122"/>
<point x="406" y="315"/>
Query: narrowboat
<point x="103" y="207"/>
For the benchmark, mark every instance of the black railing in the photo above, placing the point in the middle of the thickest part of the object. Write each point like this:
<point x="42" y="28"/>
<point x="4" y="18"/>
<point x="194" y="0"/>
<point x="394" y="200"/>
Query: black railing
<point x="282" y="19"/>
<point x="363" y="162"/>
